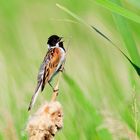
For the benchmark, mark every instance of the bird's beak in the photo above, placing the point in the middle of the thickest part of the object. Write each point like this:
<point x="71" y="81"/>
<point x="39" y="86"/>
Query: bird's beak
<point x="61" y="38"/>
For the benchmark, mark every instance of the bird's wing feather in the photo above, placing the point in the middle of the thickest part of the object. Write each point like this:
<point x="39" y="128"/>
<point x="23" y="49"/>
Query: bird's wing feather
<point x="52" y="66"/>
<point x="39" y="83"/>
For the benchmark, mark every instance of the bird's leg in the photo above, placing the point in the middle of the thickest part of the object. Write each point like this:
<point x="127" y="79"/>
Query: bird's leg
<point x="51" y="85"/>
<point x="54" y="90"/>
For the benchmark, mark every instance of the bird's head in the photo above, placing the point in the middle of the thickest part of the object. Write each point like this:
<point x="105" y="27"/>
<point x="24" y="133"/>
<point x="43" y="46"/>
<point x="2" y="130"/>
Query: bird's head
<point x="53" y="40"/>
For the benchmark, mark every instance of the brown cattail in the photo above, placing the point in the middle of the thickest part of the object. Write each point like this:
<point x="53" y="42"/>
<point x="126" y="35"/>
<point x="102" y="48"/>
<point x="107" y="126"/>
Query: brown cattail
<point x="44" y="124"/>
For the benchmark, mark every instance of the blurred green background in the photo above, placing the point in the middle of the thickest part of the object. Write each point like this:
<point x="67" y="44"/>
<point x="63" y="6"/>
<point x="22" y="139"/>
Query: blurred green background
<point x="99" y="90"/>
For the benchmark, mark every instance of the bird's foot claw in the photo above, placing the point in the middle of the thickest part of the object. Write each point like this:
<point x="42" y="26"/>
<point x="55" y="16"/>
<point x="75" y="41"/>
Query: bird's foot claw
<point x="55" y="90"/>
<point x="62" y="69"/>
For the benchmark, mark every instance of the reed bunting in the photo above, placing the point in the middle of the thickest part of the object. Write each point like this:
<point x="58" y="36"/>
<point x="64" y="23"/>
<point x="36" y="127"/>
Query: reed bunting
<point x="51" y="65"/>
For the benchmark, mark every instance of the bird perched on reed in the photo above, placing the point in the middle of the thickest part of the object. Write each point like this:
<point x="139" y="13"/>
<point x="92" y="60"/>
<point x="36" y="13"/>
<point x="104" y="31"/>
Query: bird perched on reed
<point x="51" y="65"/>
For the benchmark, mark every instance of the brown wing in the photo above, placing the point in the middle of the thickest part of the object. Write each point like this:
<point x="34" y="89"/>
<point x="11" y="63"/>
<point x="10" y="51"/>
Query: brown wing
<point x="54" y="56"/>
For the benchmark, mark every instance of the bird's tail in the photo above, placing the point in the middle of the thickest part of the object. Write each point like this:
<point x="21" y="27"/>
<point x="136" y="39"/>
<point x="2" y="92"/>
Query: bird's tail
<point x="34" y="97"/>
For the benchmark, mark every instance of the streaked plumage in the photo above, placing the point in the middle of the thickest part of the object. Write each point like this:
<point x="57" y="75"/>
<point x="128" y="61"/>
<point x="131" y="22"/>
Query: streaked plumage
<point x="50" y="66"/>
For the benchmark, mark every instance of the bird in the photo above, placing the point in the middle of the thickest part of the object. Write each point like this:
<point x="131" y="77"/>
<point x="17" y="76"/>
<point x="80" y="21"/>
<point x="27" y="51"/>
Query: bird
<point x="51" y="65"/>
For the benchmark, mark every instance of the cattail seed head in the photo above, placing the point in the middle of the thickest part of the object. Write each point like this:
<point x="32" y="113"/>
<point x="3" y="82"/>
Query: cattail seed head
<point x="44" y="124"/>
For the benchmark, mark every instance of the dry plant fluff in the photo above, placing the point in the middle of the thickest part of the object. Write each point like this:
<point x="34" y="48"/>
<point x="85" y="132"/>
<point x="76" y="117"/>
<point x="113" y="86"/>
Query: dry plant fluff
<point x="44" y="124"/>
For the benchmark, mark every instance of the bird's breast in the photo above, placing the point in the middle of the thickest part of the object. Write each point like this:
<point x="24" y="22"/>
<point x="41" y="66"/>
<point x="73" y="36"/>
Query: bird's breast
<point x="62" y="57"/>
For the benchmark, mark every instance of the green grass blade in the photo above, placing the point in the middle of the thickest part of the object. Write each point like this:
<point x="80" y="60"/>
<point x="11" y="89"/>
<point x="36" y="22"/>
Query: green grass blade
<point x="119" y="10"/>
<point x="129" y="41"/>
<point x="72" y="14"/>
<point x="86" y="105"/>
<point x="125" y="32"/>
<point x="137" y="69"/>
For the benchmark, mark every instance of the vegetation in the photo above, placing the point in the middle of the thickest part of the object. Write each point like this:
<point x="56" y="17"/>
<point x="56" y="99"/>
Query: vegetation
<point x="99" y="90"/>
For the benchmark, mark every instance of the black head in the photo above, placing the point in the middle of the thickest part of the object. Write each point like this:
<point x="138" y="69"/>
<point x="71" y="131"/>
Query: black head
<point x="53" y="40"/>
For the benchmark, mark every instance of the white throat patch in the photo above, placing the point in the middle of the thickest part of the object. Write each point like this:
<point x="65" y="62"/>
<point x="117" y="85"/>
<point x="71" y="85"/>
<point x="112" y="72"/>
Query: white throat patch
<point x="49" y="47"/>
